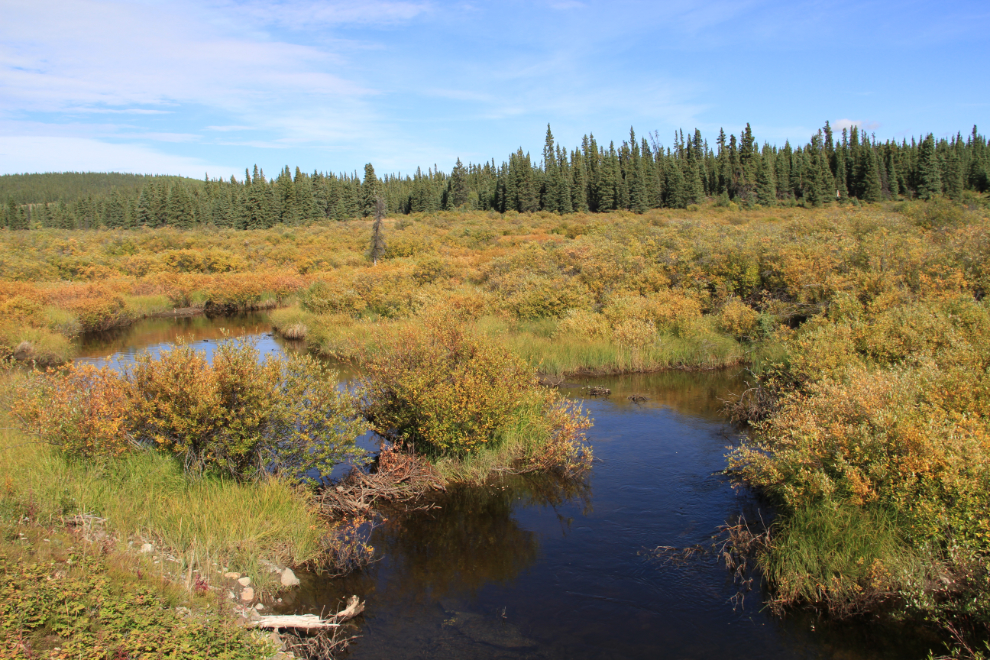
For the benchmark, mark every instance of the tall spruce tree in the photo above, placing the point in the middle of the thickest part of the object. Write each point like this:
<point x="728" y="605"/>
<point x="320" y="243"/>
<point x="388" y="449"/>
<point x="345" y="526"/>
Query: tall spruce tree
<point x="370" y="191"/>
<point x="929" y="172"/>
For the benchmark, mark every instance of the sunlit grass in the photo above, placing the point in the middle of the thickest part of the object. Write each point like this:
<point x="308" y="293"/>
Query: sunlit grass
<point x="146" y="497"/>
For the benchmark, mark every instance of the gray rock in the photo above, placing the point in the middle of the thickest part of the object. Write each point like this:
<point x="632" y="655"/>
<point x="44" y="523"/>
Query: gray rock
<point x="289" y="578"/>
<point x="244" y="581"/>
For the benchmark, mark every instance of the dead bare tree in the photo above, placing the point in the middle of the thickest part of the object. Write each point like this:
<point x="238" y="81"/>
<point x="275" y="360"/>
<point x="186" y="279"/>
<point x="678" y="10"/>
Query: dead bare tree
<point x="377" y="237"/>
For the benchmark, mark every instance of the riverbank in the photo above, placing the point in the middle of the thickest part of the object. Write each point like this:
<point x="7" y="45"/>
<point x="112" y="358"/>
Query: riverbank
<point x="108" y="552"/>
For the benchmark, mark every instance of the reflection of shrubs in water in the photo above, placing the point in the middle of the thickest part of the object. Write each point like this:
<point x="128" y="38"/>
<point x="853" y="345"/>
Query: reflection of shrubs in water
<point x="471" y="538"/>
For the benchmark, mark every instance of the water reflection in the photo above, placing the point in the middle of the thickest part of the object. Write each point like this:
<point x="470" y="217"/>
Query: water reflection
<point x="117" y="348"/>
<point x="467" y="540"/>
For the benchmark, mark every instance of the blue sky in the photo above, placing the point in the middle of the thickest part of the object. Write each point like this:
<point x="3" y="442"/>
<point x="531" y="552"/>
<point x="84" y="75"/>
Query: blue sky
<point x="214" y="86"/>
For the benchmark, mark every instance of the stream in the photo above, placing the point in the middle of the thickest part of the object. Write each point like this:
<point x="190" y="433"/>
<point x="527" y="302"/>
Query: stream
<point x="535" y="567"/>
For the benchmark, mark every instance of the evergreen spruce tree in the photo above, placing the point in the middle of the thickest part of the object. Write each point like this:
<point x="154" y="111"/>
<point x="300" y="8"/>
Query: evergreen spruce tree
<point x="675" y="187"/>
<point x="459" y="191"/>
<point x="841" y="175"/>
<point x="145" y="206"/>
<point x="370" y="191"/>
<point x="872" y="185"/>
<point x="929" y="174"/>
<point x="160" y="204"/>
<point x="179" y="209"/>
<point x="579" y="182"/>
<point x="954" y="182"/>
<point x="766" y="179"/>
<point x="114" y="210"/>
<point x="783" y="164"/>
<point x="285" y="194"/>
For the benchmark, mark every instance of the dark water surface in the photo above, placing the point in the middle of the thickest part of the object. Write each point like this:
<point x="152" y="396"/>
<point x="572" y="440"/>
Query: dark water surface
<point x="531" y="567"/>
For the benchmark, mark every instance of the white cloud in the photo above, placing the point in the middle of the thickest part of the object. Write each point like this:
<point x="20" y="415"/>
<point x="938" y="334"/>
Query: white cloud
<point x="309" y="14"/>
<point x="32" y="153"/>
<point x="99" y="55"/>
<point x="837" y="126"/>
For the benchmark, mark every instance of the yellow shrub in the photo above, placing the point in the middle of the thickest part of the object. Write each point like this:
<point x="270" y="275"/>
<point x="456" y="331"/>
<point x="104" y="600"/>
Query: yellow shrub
<point x="738" y="319"/>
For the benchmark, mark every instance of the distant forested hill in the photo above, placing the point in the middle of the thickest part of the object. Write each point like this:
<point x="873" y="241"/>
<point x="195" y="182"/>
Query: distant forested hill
<point x="73" y="186"/>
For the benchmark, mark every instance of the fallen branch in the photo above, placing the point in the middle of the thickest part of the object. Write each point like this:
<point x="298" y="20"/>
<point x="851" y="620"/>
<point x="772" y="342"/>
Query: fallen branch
<point x="293" y="621"/>
<point x="309" y="621"/>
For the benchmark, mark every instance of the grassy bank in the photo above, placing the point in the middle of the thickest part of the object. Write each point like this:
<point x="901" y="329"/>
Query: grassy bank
<point x="62" y="597"/>
<point x="209" y="524"/>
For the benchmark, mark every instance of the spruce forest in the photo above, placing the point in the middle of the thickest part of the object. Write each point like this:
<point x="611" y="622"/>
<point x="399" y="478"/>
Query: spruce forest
<point x="638" y="175"/>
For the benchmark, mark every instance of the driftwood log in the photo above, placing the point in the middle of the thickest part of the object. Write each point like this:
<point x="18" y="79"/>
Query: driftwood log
<point x="309" y="622"/>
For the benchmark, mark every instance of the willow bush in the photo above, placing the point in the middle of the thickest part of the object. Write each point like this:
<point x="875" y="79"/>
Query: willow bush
<point x="447" y="391"/>
<point x="239" y="416"/>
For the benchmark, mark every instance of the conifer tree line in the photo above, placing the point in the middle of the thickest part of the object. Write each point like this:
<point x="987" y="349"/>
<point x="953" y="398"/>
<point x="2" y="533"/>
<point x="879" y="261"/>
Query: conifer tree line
<point x="638" y="175"/>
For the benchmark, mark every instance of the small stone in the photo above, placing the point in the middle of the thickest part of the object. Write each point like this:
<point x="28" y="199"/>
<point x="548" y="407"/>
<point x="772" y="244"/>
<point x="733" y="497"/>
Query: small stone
<point x="232" y="576"/>
<point x="231" y="595"/>
<point x="247" y="595"/>
<point x="259" y="607"/>
<point x="147" y="547"/>
<point x="289" y="578"/>
<point x="244" y="581"/>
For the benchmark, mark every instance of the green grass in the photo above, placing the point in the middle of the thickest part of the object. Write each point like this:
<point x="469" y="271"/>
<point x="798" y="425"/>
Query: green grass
<point x="576" y="355"/>
<point x="844" y="557"/>
<point x="291" y="322"/>
<point x="40" y="346"/>
<point x="146" y="497"/>
<point x="62" y="322"/>
<point x="142" y="306"/>
<point x="342" y="337"/>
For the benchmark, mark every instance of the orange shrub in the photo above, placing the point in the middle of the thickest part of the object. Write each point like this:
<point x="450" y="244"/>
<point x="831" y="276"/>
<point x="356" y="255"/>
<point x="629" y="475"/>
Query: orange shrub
<point x="82" y="410"/>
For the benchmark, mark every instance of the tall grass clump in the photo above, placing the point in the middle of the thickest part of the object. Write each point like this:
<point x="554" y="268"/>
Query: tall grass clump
<point x="147" y="497"/>
<point x="290" y="322"/>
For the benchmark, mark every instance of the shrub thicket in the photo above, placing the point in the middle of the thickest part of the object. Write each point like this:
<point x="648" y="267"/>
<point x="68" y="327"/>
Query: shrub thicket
<point x="237" y="416"/>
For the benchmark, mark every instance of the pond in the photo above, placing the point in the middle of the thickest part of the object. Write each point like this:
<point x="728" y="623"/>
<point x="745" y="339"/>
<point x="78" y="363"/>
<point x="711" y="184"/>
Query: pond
<point x="529" y="567"/>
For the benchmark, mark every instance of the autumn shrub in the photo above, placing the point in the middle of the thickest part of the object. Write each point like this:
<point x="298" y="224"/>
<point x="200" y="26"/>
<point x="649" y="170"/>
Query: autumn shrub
<point x="584" y="324"/>
<point x="442" y="388"/>
<point x="238" y="416"/>
<point x="449" y="392"/>
<point x="882" y="410"/>
<point x="81" y="410"/>
<point x="331" y="297"/>
<point x="634" y="333"/>
<point x="97" y="306"/>
<point x="431" y="269"/>
<point x="738" y="319"/>
<point x="936" y="213"/>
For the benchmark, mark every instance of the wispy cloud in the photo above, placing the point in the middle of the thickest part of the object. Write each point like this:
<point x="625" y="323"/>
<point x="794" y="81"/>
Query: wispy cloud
<point x="101" y="56"/>
<point x="860" y="124"/>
